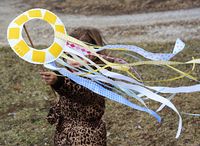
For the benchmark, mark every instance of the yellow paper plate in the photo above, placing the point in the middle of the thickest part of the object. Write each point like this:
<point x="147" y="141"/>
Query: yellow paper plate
<point x="32" y="55"/>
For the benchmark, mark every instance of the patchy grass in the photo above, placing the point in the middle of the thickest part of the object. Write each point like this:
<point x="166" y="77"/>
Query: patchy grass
<point x="25" y="101"/>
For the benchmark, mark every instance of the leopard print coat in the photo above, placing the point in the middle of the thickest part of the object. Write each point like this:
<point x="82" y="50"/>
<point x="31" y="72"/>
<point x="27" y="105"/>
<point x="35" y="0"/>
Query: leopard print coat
<point x="77" y="115"/>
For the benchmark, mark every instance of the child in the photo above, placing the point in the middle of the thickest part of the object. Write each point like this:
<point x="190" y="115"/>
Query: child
<point x="78" y="113"/>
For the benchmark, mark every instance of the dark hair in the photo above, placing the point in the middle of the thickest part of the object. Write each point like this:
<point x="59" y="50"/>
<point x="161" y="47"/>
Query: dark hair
<point x="89" y="35"/>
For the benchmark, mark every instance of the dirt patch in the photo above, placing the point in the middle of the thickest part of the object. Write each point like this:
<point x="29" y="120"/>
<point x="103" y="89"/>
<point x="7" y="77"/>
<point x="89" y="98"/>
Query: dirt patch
<point x="111" y="7"/>
<point x="161" y="32"/>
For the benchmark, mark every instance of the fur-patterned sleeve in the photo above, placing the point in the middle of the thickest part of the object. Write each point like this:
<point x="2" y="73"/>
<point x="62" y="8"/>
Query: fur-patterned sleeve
<point x="66" y="87"/>
<point x="90" y="104"/>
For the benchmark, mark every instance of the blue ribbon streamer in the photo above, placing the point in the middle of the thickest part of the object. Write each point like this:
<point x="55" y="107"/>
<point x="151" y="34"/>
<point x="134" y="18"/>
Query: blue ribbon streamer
<point x="94" y="87"/>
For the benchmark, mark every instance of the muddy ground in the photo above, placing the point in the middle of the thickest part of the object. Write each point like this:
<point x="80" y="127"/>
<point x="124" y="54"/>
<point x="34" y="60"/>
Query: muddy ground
<point x="112" y="7"/>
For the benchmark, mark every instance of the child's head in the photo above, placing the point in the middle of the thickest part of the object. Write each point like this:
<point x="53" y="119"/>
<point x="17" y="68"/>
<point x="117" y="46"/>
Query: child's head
<point x="89" y="35"/>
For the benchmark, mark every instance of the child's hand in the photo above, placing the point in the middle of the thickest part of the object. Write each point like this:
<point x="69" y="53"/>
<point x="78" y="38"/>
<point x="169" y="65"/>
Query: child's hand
<point x="49" y="77"/>
<point x="73" y="63"/>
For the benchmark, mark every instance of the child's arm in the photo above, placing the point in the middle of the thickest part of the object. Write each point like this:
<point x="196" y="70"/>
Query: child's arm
<point x="69" y="89"/>
<point x="58" y="83"/>
<point x="95" y="103"/>
<point x="62" y="85"/>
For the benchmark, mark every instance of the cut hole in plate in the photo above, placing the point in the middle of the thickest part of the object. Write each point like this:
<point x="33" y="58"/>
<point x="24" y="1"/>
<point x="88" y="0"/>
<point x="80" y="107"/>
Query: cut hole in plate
<point x="40" y="32"/>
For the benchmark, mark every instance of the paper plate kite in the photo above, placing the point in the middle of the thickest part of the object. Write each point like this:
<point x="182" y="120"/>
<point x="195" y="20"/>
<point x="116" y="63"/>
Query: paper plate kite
<point x="123" y="81"/>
